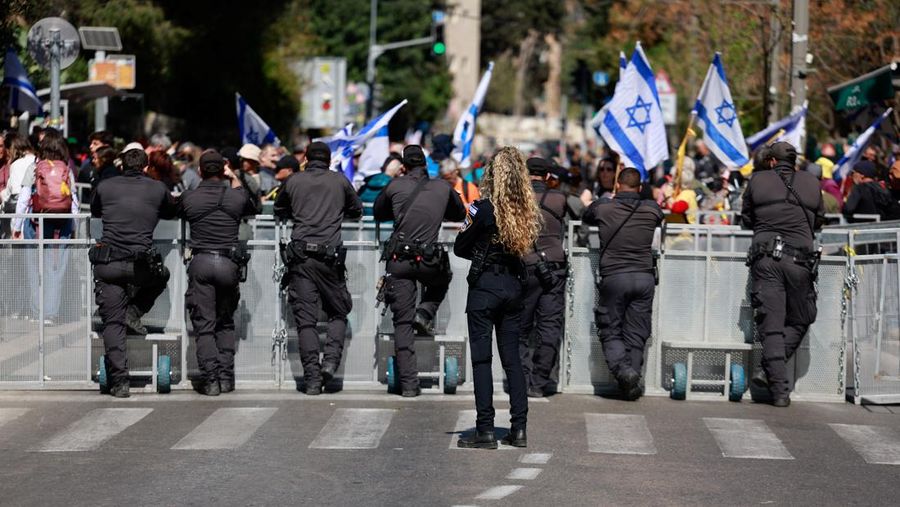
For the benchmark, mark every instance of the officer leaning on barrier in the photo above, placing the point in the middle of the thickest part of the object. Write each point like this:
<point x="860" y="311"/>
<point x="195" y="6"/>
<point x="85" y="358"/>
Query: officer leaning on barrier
<point x="627" y="278"/>
<point x="317" y="200"/>
<point x="217" y="264"/>
<point x="498" y="232"/>
<point x="544" y="301"/>
<point x="418" y="206"/>
<point x="128" y="272"/>
<point x="784" y="208"/>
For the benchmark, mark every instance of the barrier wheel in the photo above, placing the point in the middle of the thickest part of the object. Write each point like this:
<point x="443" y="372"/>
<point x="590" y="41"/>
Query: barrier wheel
<point x="392" y="375"/>
<point x="451" y="375"/>
<point x="101" y="376"/>
<point x="164" y="375"/>
<point x="679" y="381"/>
<point x="738" y="383"/>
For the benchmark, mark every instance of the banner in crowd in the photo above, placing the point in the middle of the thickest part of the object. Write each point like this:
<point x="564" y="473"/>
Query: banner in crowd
<point x="464" y="133"/>
<point x="846" y="163"/>
<point x="22" y="97"/>
<point x="252" y="127"/>
<point x="715" y="110"/>
<point x="792" y="128"/>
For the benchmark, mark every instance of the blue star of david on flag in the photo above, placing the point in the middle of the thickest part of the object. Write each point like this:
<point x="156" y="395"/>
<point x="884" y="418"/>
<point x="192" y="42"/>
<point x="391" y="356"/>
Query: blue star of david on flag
<point x="726" y="113"/>
<point x="633" y="119"/>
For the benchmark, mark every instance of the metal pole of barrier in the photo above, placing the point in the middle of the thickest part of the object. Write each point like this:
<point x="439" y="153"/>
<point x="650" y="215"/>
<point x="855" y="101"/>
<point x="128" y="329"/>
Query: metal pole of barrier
<point x="879" y="317"/>
<point x="88" y="297"/>
<point x="185" y="339"/>
<point x="40" y="235"/>
<point x="851" y="316"/>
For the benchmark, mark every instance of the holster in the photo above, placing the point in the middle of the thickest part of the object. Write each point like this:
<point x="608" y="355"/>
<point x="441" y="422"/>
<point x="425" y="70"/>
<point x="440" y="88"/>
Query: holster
<point x="152" y="261"/>
<point x="102" y="253"/>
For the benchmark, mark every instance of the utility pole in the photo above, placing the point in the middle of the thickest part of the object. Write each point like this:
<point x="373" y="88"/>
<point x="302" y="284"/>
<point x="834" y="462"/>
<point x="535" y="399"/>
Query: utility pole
<point x="799" y="49"/>
<point x="370" y="63"/>
<point x="55" y="47"/>
<point x="101" y="105"/>
<point x="774" y="67"/>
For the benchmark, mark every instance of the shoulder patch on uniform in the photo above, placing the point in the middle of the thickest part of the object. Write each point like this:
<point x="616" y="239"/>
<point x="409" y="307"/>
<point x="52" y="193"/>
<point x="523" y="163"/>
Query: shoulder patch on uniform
<point x="473" y="208"/>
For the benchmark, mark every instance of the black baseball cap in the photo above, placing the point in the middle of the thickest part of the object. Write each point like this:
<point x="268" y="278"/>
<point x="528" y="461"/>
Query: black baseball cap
<point x="538" y="166"/>
<point x="413" y="156"/>
<point x="287" y="162"/>
<point x="783" y="152"/>
<point x="211" y="161"/>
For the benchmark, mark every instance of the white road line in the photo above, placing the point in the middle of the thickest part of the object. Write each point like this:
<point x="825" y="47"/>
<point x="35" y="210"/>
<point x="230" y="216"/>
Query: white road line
<point x="354" y="428"/>
<point x="878" y="445"/>
<point x="535" y="458"/>
<point x="92" y="430"/>
<point x="244" y="394"/>
<point x="11" y="414"/>
<point x="465" y="423"/>
<point x="746" y="438"/>
<point x="497" y="492"/>
<point x="524" y="474"/>
<point x="618" y="434"/>
<point x="226" y="428"/>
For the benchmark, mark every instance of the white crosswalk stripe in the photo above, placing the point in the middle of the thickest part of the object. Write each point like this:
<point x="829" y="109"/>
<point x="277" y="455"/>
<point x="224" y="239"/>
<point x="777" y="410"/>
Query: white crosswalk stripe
<point x="354" y="428"/>
<point x="618" y="434"/>
<point x="8" y="415"/>
<point x="95" y="428"/>
<point x="877" y="445"/>
<point x="465" y="424"/>
<point x="746" y="438"/>
<point x="226" y="428"/>
<point x="498" y="492"/>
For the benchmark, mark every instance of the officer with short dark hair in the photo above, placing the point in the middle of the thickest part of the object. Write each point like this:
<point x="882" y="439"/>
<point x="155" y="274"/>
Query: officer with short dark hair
<point x="130" y="206"/>
<point x="543" y="298"/>
<point x="317" y="201"/>
<point x="214" y="211"/>
<point x="784" y="208"/>
<point x="418" y="206"/>
<point x="627" y="278"/>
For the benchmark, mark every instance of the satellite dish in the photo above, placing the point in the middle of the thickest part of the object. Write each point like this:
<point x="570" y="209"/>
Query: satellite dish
<point x="41" y="35"/>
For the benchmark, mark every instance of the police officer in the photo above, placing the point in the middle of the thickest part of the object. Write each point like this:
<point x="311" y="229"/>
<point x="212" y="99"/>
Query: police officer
<point x="317" y="200"/>
<point x="544" y="301"/>
<point x="128" y="273"/>
<point x="214" y="210"/>
<point x="627" y="278"/>
<point x="418" y="206"/>
<point x="784" y="208"/>
<point x="498" y="232"/>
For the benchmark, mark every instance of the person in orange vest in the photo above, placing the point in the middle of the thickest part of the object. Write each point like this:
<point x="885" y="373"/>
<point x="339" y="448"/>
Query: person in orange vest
<point x="467" y="190"/>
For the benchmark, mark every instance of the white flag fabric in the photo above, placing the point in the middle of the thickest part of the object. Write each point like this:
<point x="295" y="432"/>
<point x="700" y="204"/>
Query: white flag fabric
<point x="846" y="163"/>
<point x="597" y="120"/>
<point x="22" y="97"/>
<point x="721" y="127"/>
<point x="793" y="127"/>
<point x="253" y="129"/>
<point x="633" y="124"/>
<point x="344" y="144"/>
<point x="464" y="133"/>
<point x="377" y="150"/>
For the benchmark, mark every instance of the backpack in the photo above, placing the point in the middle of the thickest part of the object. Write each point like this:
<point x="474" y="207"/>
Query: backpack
<point x="53" y="188"/>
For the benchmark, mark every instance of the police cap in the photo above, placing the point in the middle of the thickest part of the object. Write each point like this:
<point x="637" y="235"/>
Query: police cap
<point x="288" y="162"/>
<point x="413" y="156"/>
<point x="783" y="152"/>
<point x="318" y="151"/>
<point x="212" y="162"/>
<point x="538" y="166"/>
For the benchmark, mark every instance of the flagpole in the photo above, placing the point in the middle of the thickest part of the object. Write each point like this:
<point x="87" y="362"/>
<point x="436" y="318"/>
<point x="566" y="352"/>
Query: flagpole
<point x="682" y="149"/>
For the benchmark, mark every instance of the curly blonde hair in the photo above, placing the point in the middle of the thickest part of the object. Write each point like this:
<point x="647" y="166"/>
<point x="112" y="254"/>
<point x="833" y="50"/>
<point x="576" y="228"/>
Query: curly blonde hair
<point x="508" y="187"/>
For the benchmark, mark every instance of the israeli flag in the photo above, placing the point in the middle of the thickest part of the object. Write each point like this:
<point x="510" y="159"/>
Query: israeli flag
<point x="633" y="124"/>
<point x="377" y="150"/>
<point x="253" y="129"/>
<point x="721" y="128"/>
<point x="846" y="163"/>
<point x="464" y="133"/>
<point x="792" y="128"/>
<point x="23" y="97"/>
<point x="597" y="120"/>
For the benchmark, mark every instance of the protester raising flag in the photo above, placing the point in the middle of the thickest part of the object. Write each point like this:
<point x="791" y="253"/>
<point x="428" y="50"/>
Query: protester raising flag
<point x="790" y="129"/>
<point x="464" y="133"/>
<point x="846" y="163"/>
<point x="715" y="109"/>
<point x="633" y="124"/>
<point x="253" y="129"/>
<point x="22" y="96"/>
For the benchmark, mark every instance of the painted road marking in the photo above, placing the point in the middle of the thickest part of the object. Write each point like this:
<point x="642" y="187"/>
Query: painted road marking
<point x="535" y="458"/>
<point x="497" y="492"/>
<point x="877" y="445"/>
<point x="465" y="424"/>
<point x="524" y="474"/>
<point x="226" y="428"/>
<point x="746" y="438"/>
<point x="354" y="428"/>
<point x="92" y="430"/>
<point x="618" y="434"/>
<point x="8" y="415"/>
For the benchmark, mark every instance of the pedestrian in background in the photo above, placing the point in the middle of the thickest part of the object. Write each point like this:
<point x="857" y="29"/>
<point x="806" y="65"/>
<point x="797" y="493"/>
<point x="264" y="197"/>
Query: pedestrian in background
<point x="161" y="168"/>
<point x="468" y="192"/>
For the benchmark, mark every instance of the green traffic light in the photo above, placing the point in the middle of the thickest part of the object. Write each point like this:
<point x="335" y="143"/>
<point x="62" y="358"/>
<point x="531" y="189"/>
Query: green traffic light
<point x="439" y="48"/>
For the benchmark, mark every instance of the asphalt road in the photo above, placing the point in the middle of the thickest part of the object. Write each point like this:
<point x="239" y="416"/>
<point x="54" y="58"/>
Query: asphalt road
<point x="352" y="448"/>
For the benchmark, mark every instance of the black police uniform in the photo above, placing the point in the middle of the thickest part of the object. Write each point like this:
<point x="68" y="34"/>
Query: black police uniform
<point x="214" y="211"/>
<point x="128" y="274"/>
<point x="783" y="292"/>
<point x="627" y="283"/>
<point x="318" y="200"/>
<point x="494" y="303"/>
<point x="544" y="301"/>
<point x="414" y="256"/>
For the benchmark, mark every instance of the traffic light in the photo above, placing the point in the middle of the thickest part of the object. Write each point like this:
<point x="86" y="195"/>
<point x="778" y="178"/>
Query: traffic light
<point x="438" y="46"/>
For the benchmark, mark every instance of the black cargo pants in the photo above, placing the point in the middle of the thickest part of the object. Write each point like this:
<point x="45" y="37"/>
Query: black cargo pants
<point x="544" y="313"/>
<point x="212" y="297"/>
<point x="624" y="316"/>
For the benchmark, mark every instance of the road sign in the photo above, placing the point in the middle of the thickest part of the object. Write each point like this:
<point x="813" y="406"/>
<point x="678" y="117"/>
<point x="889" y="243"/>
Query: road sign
<point x="601" y="78"/>
<point x="668" y="99"/>
<point x="324" y="89"/>
<point x="39" y="42"/>
<point x="118" y="70"/>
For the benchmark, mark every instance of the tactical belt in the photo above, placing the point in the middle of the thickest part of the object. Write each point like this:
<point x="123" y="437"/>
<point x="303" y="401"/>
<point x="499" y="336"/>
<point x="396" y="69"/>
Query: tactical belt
<point x="104" y="253"/>
<point x="298" y="250"/>
<point x="402" y="250"/>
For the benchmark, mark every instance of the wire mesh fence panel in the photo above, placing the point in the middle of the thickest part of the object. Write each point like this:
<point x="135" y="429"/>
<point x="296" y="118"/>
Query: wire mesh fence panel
<point x="19" y="323"/>
<point x="583" y="362"/>
<point x="876" y="331"/>
<point x="68" y="286"/>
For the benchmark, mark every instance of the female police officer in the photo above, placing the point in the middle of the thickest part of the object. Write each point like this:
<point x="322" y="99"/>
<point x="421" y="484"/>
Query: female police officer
<point x="499" y="231"/>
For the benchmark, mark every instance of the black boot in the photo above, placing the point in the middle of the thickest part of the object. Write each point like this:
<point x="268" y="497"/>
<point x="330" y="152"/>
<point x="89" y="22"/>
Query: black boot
<point x="478" y="440"/>
<point x="327" y="371"/>
<point x="759" y="379"/>
<point x="516" y="438"/>
<point x="534" y="392"/>
<point x="783" y="402"/>
<point x="120" y="389"/>
<point x="226" y="385"/>
<point x="313" y="388"/>
<point x="411" y="393"/>
<point x="422" y="325"/>
<point x="133" y="321"/>
<point x="629" y="383"/>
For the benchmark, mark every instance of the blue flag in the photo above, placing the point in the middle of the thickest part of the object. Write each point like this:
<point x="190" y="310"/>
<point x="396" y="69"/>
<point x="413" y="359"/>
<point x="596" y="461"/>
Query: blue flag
<point x="633" y="124"/>
<point x="23" y="97"/>
<point x="792" y="130"/>
<point x="253" y="129"/>
<point x="464" y="133"/>
<point x="715" y="109"/>
<point x="846" y="163"/>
